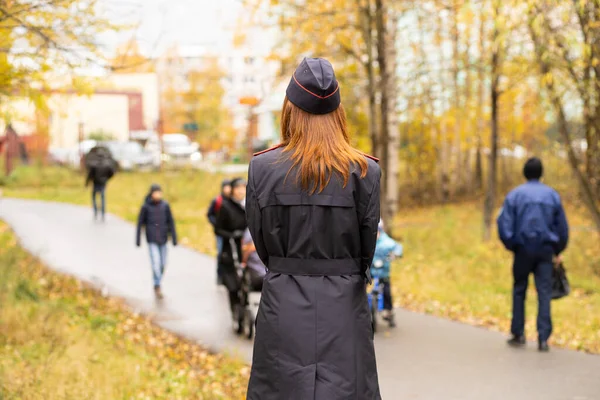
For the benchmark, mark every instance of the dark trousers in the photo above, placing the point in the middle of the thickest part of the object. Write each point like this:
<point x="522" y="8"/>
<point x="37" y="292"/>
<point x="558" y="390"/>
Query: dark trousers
<point x="387" y="293"/>
<point x="231" y="282"/>
<point x="99" y="190"/>
<point x="541" y="267"/>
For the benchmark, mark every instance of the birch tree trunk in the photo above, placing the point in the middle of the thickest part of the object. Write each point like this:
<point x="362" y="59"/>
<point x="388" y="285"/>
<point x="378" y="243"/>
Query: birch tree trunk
<point x="381" y="13"/>
<point x="393" y="144"/>
<point x="480" y="103"/>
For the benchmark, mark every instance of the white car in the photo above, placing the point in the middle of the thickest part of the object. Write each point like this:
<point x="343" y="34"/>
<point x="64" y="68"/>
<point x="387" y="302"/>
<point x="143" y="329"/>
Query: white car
<point x="178" y="149"/>
<point x="131" y="155"/>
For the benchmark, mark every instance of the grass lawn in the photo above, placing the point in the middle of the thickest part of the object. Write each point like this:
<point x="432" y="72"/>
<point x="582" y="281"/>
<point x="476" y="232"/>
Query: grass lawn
<point x="447" y="270"/>
<point x="61" y="340"/>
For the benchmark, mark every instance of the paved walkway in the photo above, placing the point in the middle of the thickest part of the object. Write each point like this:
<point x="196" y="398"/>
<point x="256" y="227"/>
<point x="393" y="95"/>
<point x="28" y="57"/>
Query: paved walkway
<point x="424" y="358"/>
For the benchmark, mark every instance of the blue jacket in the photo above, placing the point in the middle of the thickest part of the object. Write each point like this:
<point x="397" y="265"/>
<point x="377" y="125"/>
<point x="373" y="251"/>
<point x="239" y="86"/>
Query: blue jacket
<point x="384" y="249"/>
<point x="533" y="219"/>
<point x="158" y="222"/>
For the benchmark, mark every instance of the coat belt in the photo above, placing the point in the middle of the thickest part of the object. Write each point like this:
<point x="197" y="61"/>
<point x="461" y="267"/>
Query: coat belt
<point x="315" y="266"/>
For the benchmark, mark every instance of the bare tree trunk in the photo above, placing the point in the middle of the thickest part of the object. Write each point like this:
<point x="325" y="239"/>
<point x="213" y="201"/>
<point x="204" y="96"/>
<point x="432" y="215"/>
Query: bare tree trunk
<point x="393" y="129"/>
<point x="470" y="123"/>
<point x="380" y="23"/>
<point x="480" y="103"/>
<point x="490" y="193"/>
<point x="457" y="173"/>
<point x="367" y="12"/>
<point x="444" y="147"/>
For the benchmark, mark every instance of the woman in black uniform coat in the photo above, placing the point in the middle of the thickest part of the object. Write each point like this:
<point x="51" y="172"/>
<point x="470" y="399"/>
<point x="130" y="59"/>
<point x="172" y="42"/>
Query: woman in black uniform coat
<point x="313" y="210"/>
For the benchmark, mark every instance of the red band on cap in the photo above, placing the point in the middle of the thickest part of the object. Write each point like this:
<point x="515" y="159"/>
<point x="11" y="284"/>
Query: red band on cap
<point x="314" y="94"/>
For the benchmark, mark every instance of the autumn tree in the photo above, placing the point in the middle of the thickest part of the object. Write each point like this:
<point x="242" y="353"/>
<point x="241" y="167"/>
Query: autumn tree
<point x="558" y="57"/>
<point x="207" y="119"/>
<point x="192" y="99"/>
<point x="47" y="38"/>
<point x="129" y="59"/>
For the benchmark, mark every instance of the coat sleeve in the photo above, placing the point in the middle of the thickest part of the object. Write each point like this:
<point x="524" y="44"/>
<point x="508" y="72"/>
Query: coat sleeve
<point x="254" y="219"/>
<point x="368" y="226"/>
<point x="506" y="224"/>
<point x="212" y="214"/>
<point x="141" y="221"/>
<point x="561" y="227"/>
<point x="171" y="225"/>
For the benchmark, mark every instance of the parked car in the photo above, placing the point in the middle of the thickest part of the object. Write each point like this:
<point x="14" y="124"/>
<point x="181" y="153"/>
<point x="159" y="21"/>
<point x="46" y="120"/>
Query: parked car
<point x="131" y="155"/>
<point x="178" y="149"/>
<point x="71" y="157"/>
<point x="150" y="142"/>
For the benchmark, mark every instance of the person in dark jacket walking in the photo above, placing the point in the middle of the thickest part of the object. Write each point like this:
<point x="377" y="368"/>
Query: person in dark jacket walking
<point x="313" y="211"/>
<point x="99" y="176"/>
<point x="213" y="213"/>
<point x="231" y="223"/>
<point x="157" y="219"/>
<point x="532" y="225"/>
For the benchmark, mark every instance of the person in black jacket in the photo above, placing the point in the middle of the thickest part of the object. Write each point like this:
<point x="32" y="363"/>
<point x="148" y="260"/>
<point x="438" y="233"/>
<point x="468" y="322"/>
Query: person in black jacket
<point x="231" y="224"/>
<point x="157" y="219"/>
<point x="213" y="213"/>
<point x="99" y="175"/>
<point x="313" y="211"/>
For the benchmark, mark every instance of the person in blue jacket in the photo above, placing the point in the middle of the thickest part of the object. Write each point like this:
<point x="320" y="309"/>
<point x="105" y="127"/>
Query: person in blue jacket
<point x="533" y="226"/>
<point x="386" y="249"/>
<point x="157" y="219"/>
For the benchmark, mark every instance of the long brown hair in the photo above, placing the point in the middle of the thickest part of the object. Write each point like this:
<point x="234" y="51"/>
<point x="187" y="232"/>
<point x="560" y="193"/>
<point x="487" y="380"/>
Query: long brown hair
<point x="319" y="146"/>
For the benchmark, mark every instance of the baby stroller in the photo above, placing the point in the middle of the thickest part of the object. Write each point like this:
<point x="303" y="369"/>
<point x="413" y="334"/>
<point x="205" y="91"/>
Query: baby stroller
<point x="244" y="315"/>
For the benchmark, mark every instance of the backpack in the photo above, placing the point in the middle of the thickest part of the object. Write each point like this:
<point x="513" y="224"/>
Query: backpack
<point x="218" y="203"/>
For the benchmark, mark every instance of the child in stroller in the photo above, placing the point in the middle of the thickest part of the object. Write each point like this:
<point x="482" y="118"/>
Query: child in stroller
<point x="251" y="276"/>
<point x="386" y="250"/>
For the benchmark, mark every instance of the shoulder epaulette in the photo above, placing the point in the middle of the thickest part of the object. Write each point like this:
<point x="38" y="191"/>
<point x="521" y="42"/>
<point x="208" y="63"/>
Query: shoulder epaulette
<point x="267" y="150"/>
<point x="371" y="157"/>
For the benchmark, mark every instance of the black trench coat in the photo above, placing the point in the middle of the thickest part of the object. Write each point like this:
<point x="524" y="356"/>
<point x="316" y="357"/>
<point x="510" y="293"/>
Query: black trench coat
<point x="313" y="337"/>
<point x="231" y="220"/>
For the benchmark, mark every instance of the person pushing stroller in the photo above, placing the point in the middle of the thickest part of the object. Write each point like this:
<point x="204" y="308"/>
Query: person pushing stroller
<point x="386" y="249"/>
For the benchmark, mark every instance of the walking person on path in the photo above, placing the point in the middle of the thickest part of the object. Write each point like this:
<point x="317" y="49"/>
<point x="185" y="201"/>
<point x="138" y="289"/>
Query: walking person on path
<point x="532" y="225"/>
<point x="313" y="210"/>
<point x="231" y="224"/>
<point x="99" y="175"/>
<point x="157" y="220"/>
<point x="213" y="213"/>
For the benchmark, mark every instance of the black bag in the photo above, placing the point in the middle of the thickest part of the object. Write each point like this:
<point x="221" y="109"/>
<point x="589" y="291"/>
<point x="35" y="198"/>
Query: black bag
<point x="560" y="283"/>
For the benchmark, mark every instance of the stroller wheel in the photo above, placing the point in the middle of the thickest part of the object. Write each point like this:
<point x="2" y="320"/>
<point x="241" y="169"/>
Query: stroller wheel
<point x="249" y="325"/>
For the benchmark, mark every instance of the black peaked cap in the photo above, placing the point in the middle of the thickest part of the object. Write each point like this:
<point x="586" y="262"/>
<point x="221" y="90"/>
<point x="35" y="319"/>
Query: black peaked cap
<point x="313" y="87"/>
